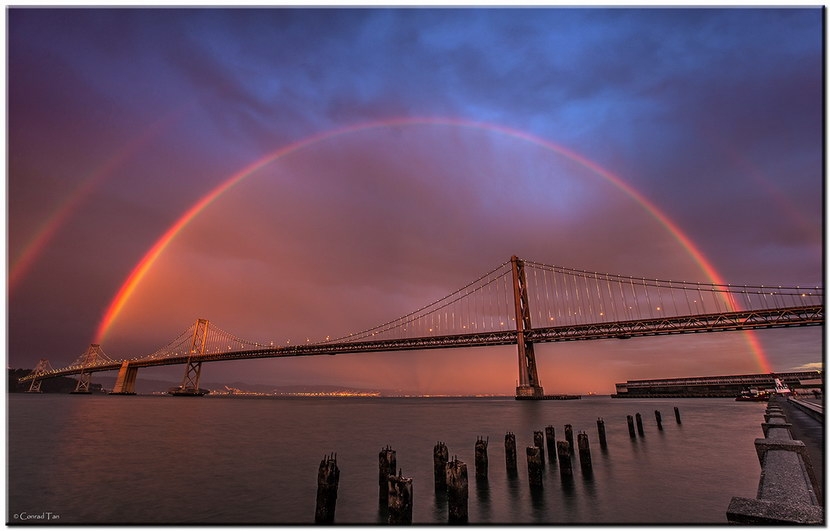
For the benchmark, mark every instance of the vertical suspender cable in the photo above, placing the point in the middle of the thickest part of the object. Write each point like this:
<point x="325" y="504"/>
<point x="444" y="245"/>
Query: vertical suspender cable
<point x="547" y="300"/>
<point x="648" y="297"/>
<point x="636" y="301"/>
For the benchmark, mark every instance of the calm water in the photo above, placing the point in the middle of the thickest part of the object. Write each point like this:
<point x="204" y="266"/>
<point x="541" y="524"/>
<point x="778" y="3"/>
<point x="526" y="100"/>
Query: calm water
<point x="122" y="459"/>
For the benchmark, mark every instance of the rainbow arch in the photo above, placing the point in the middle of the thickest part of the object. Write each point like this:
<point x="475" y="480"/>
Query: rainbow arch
<point x="146" y="263"/>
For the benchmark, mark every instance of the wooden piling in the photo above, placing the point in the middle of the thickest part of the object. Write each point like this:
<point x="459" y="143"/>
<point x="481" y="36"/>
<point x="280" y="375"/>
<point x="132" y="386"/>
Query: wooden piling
<point x="584" y="451"/>
<point x="510" y="452"/>
<point x="457" y="491"/>
<point x="563" y="448"/>
<point x="400" y="499"/>
<point x="569" y="436"/>
<point x="481" y="457"/>
<point x="387" y="464"/>
<point x="539" y="442"/>
<point x="659" y="418"/>
<point x="630" y="420"/>
<point x="534" y="467"/>
<point x="640" y="425"/>
<point x="601" y="432"/>
<point x="328" y="477"/>
<point x="550" y="440"/>
<point x="677" y="414"/>
<point x="440" y="457"/>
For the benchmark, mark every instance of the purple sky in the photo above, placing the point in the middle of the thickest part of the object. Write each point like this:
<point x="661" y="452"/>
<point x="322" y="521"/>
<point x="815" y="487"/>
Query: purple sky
<point x="121" y="120"/>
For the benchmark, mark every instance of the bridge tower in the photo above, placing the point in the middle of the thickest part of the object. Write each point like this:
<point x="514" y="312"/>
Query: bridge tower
<point x="529" y="386"/>
<point x="41" y="368"/>
<point x="193" y="370"/>
<point x="93" y="355"/>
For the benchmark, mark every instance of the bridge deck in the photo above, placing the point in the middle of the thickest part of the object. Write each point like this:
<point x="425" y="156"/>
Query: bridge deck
<point x="717" y="322"/>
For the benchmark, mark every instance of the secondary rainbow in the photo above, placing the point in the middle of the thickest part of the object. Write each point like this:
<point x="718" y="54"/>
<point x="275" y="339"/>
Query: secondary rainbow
<point x="61" y="215"/>
<point x="141" y="269"/>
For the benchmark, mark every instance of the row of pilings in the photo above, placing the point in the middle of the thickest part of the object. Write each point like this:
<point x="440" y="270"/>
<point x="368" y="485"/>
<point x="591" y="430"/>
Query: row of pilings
<point x="450" y="476"/>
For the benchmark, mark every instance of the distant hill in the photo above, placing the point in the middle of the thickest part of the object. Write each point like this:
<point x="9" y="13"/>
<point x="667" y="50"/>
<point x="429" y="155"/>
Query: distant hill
<point x="103" y="382"/>
<point x="61" y="384"/>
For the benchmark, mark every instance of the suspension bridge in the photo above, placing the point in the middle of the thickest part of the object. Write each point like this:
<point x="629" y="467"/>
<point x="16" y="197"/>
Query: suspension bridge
<point x="518" y="303"/>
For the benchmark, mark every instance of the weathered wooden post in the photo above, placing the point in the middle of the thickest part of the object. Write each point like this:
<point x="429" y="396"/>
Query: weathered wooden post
<point x="539" y="442"/>
<point x="457" y="491"/>
<point x="640" y="425"/>
<point x="584" y="451"/>
<point x="440" y="456"/>
<point x="481" y="457"/>
<point x="550" y="440"/>
<point x="510" y="453"/>
<point x="630" y="420"/>
<point x="569" y="436"/>
<point x="400" y="499"/>
<point x="659" y="419"/>
<point x="328" y="477"/>
<point x="601" y="431"/>
<point x="563" y="448"/>
<point x="677" y="414"/>
<point x="387" y="464"/>
<point x="534" y="467"/>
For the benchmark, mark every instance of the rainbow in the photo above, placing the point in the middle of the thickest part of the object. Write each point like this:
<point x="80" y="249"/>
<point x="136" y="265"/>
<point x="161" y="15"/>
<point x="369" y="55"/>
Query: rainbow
<point x="46" y="231"/>
<point x="141" y="269"/>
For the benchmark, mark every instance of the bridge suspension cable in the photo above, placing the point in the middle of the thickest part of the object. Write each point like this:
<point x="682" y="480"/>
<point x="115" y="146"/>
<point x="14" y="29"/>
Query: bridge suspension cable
<point x="216" y="342"/>
<point x="566" y="296"/>
<point x="484" y="304"/>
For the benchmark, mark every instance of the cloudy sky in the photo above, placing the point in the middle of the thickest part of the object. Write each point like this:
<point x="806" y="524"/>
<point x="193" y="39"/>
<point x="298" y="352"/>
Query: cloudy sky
<point x="292" y="174"/>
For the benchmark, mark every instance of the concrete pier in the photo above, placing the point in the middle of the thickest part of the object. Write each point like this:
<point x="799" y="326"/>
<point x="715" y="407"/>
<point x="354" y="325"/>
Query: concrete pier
<point x="125" y="381"/>
<point x="328" y="478"/>
<point x="788" y="490"/>
<point x="457" y="492"/>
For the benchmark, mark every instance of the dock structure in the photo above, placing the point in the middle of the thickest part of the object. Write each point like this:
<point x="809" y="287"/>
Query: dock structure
<point x="716" y="386"/>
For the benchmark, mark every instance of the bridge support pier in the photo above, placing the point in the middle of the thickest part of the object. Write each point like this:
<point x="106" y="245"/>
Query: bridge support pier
<point x="125" y="382"/>
<point x="529" y="387"/>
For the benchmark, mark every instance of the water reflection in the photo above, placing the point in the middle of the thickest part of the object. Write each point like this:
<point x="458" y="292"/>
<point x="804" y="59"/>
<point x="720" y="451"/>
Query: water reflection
<point x="483" y="497"/>
<point x="538" y="504"/>
<point x="439" y="508"/>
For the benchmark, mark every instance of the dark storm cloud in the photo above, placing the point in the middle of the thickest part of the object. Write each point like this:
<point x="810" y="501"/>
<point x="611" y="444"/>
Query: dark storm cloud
<point x="713" y="115"/>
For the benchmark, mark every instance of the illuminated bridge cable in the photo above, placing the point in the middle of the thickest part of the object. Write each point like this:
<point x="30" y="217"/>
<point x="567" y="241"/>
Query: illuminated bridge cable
<point x="416" y="318"/>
